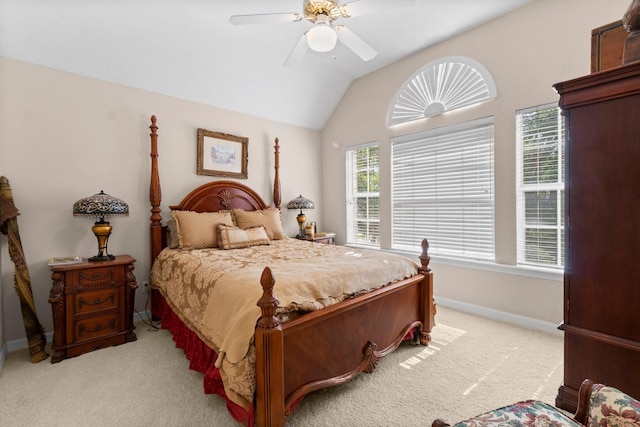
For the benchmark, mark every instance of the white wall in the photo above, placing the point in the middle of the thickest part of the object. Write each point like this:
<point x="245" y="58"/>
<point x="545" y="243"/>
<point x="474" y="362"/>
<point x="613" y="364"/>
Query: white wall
<point x="526" y="52"/>
<point x="64" y="137"/>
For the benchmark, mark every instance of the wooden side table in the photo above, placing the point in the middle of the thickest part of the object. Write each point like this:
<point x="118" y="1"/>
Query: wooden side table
<point x="327" y="240"/>
<point x="92" y="305"/>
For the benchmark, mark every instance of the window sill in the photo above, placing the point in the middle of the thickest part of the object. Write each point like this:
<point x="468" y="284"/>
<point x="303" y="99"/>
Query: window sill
<point x="518" y="270"/>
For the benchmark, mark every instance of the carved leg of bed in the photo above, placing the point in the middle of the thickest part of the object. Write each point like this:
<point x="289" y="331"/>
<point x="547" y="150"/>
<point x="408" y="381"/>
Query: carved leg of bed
<point x="270" y="410"/>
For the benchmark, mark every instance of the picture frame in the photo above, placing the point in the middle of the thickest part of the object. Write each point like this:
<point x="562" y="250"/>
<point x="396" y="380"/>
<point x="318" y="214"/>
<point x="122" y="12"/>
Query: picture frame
<point x="221" y="154"/>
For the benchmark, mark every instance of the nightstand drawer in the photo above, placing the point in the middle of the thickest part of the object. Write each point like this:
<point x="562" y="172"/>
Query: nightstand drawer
<point x="95" y="327"/>
<point x="89" y="302"/>
<point x="327" y="240"/>
<point x="89" y="276"/>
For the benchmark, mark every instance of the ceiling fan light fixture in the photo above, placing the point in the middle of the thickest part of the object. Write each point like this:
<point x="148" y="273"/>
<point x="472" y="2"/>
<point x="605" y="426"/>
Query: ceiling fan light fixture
<point x="322" y="37"/>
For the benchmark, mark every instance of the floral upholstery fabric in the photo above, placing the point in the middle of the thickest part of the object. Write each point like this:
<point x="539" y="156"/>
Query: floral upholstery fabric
<point x="610" y="407"/>
<point x="530" y="413"/>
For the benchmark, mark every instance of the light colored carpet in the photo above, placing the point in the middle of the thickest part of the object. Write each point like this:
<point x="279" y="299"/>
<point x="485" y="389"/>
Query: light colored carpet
<point x="472" y="365"/>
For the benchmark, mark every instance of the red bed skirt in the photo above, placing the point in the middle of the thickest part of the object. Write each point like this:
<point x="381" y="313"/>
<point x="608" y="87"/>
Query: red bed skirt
<point x="202" y="359"/>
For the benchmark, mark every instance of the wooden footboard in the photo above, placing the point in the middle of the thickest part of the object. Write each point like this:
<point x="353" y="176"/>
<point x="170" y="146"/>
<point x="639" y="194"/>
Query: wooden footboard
<point x="331" y="346"/>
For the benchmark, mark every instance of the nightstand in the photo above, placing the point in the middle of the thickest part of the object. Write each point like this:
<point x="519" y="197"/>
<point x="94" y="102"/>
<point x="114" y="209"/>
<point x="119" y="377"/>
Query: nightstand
<point x="92" y="305"/>
<point x="327" y="240"/>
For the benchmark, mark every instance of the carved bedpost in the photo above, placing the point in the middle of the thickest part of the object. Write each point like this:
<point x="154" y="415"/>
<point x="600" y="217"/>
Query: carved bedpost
<point x="428" y="304"/>
<point x="155" y="195"/>
<point x="269" y="342"/>
<point x="277" y="198"/>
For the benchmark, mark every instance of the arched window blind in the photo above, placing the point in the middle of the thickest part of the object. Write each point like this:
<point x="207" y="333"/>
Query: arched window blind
<point x="442" y="85"/>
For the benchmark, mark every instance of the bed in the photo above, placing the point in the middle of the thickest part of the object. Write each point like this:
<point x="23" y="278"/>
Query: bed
<point x="293" y="349"/>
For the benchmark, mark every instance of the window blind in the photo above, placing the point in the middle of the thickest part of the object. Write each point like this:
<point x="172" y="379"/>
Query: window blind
<point x="540" y="186"/>
<point x="363" y="195"/>
<point x="442" y="190"/>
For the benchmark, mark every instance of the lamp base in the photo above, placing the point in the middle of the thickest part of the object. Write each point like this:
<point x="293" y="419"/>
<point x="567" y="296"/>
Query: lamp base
<point x="301" y="218"/>
<point x="102" y="230"/>
<point x="102" y="257"/>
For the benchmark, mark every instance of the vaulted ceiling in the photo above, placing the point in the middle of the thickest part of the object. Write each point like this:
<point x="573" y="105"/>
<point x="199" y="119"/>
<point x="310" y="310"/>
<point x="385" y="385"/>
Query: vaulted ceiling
<point x="188" y="48"/>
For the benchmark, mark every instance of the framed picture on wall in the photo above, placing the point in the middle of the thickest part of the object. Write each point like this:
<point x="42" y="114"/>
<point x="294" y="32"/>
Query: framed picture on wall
<point x="221" y="154"/>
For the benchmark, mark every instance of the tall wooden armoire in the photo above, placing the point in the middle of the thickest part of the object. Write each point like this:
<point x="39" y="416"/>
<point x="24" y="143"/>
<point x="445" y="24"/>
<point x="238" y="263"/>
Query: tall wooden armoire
<point x="602" y="231"/>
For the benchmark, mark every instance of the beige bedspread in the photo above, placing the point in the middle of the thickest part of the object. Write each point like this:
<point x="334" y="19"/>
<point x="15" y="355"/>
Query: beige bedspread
<point x="215" y="292"/>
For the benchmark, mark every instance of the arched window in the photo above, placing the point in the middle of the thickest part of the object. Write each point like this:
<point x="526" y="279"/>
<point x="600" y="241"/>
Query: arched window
<point x="442" y="85"/>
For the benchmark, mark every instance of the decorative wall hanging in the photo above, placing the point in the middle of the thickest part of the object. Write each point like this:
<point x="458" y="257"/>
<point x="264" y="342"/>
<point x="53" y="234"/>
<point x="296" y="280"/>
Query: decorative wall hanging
<point x="221" y="154"/>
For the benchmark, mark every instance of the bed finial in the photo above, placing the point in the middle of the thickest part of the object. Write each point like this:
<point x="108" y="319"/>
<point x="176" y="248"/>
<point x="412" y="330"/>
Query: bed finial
<point x="268" y="302"/>
<point x="277" y="198"/>
<point x="424" y="257"/>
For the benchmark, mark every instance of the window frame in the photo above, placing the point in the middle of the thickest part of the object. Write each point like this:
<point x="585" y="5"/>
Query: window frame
<point x="372" y="238"/>
<point x="554" y="190"/>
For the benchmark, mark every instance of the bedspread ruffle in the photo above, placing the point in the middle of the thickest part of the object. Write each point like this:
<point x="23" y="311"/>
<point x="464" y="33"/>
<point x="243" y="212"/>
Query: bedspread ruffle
<point x="202" y="359"/>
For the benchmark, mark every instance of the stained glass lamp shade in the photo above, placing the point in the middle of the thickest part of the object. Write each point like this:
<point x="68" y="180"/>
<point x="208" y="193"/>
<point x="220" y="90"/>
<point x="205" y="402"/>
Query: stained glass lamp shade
<point x="101" y="206"/>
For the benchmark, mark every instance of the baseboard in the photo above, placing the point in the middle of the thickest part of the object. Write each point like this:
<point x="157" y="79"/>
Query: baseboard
<point x="501" y="316"/>
<point x="22" y="343"/>
<point x="16" y="345"/>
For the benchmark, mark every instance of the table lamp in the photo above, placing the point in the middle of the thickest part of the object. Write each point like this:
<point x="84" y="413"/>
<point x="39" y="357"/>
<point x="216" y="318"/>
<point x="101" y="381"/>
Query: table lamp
<point x="101" y="206"/>
<point x="300" y="203"/>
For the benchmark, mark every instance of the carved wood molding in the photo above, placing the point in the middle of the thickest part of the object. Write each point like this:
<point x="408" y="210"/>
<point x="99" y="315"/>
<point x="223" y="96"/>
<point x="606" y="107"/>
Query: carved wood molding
<point x="371" y="356"/>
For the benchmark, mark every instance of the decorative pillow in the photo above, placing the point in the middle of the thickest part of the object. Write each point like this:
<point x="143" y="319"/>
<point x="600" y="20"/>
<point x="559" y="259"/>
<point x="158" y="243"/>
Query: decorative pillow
<point x="611" y="407"/>
<point x="269" y="218"/>
<point x="230" y="237"/>
<point x="172" y="234"/>
<point x="198" y="230"/>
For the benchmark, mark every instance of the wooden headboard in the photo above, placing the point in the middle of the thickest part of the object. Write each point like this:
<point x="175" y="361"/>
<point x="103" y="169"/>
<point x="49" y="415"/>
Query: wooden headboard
<point x="219" y="195"/>
<point x="210" y="197"/>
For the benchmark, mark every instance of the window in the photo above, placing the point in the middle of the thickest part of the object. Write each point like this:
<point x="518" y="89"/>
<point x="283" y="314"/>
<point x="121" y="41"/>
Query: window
<point x="363" y="195"/>
<point x="442" y="189"/>
<point x="540" y="144"/>
<point x="444" y="84"/>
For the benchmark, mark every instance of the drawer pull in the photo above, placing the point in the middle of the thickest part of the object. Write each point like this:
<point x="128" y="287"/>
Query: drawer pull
<point x="97" y="301"/>
<point x="97" y="275"/>
<point x="98" y="328"/>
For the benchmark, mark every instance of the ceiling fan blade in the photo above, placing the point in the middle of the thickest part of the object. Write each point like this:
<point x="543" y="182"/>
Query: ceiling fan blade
<point x="365" y="7"/>
<point x="355" y="43"/>
<point x="297" y="52"/>
<point x="264" y="18"/>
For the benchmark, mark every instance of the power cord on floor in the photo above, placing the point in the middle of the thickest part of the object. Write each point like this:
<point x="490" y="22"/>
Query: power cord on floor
<point x="145" y="317"/>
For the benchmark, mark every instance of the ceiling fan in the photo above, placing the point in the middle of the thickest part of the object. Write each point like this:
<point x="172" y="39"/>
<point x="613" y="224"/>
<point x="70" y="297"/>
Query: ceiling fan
<point x="324" y="34"/>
